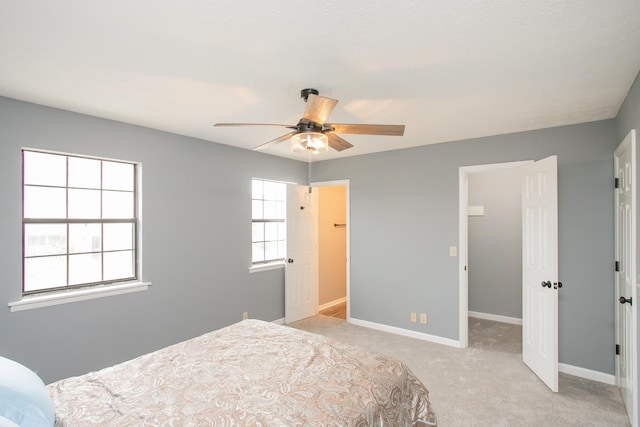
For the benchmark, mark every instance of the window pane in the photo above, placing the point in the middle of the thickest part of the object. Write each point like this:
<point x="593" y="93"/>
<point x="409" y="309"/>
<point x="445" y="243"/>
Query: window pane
<point x="257" y="207"/>
<point x="257" y="187"/>
<point x="118" y="265"/>
<point x="281" y="210"/>
<point x="258" y="252"/>
<point x="117" y="176"/>
<point x="281" y="192"/>
<point x="269" y="190"/>
<point x="269" y="210"/>
<point x="85" y="238"/>
<point x="117" y="204"/>
<point x="45" y="169"/>
<point x="84" y="173"/>
<point x="271" y="250"/>
<point x="257" y="232"/>
<point x="84" y="203"/>
<point x="45" y="239"/>
<point x="58" y="189"/>
<point x="45" y="272"/>
<point x="271" y="231"/>
<point x="85" y="268"/>
<point x="45" y="202"/>
<point x="118" y="237"/>
<point x="268" y="203"/>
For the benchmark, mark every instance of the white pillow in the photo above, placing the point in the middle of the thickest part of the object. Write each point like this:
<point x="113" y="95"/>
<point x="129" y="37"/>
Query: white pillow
<point x="7" y="423"/>
<point x="24" y="400"/>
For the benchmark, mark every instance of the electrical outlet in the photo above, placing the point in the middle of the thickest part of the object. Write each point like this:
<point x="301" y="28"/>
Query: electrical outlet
<point x="453" y="251"/>
<point x="413" y="317"/>
<point x="245" y="315"/>
<point x="423" y="318"/>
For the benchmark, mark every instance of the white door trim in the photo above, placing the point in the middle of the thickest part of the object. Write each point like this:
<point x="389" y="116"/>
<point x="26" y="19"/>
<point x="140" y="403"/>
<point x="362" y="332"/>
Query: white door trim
<point x="463" y="182"/>
<point x="339" y="183"/>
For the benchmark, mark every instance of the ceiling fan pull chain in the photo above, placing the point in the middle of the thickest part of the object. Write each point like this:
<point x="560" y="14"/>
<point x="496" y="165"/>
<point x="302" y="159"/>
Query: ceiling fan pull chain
<point x="309" y="170"/>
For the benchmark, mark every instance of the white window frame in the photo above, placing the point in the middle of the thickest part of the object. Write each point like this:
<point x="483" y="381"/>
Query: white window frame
<point x="70" y="293"/>
<point x="278" y="262"/>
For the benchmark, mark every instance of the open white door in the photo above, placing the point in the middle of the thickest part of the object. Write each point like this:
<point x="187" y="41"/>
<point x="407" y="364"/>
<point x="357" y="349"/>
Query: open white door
<point x="626" y="313"/>
<point x="540" y="270"/>
<point x="300" y="294"/>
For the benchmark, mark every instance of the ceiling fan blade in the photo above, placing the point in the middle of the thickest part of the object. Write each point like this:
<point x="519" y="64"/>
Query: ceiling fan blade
<point x="275" y="141"/>
<point x="254" y="124"/>
<point x="337" y="143"/>
<point x="319" y="108"/>
<point x="389" y="130"/>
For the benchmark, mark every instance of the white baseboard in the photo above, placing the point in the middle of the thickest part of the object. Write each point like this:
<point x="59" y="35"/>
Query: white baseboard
<point x="332" y="303"/>
<point x="495" y="317"/>
<point x="279" y="321"/>
<point x="406" y="332"/>
<point x="587" y="373"/>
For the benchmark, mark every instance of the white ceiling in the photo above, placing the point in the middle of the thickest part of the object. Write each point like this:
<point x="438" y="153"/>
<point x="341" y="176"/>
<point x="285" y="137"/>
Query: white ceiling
<point x="448" y="70"/>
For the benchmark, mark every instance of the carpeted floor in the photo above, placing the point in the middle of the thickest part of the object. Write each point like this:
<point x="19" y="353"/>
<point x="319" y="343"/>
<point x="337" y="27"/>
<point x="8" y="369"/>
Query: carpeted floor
<point x="486" y="384"/>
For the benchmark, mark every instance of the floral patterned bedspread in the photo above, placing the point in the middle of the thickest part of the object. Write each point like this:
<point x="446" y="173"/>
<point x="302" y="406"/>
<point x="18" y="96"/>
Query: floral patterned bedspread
<point x="252" y="373"/>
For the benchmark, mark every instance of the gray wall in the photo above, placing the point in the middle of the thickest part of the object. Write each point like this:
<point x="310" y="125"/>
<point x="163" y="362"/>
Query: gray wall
<point x="629" y="118"/>
<point x="404" y="217"/>
<point x="495" y="243"/>
<point x="196" y="199"/>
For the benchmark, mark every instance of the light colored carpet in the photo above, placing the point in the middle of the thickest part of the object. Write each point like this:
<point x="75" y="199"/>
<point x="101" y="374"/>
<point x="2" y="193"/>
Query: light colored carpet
<point x="486" y="384"/>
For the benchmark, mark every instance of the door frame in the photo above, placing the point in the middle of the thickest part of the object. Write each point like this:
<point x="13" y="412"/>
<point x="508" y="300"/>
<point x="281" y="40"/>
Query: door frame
<point x="463" y="182"/>
<point x="339" y="183"/>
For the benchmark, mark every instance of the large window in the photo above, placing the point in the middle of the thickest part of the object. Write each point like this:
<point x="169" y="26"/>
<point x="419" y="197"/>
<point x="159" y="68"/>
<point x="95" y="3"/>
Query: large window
<point x="79" y="221"/>
<point x="269" y="207"/>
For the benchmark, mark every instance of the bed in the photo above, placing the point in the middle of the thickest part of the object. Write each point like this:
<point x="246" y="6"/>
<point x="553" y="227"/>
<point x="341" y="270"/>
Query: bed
<point x="252" y="373"/>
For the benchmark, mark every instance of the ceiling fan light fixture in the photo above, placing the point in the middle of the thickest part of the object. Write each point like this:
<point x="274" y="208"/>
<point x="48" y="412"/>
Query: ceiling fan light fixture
<point x="305" y="142"/>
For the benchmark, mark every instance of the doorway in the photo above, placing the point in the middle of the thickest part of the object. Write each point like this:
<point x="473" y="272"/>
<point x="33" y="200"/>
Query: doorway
<point x="495" y="222"/>
<point x="465" y="210"/>
<point x="539" y="261"/>
<point x="332" y="238"/>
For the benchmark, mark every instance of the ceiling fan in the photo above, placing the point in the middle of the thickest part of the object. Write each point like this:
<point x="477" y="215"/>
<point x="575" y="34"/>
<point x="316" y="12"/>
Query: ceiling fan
<point x="313" y="134"/>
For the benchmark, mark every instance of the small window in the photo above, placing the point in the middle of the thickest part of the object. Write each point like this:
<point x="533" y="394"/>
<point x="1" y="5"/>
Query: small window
<point x="268" y="228"/>
<point x="79" y="221"/>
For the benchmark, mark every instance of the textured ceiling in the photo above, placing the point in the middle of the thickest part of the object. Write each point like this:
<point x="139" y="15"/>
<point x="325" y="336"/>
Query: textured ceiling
<point x="448" y="70"/>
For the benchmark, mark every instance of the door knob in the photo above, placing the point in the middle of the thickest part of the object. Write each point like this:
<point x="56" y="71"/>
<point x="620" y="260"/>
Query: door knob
<point x="557" y="285"/>
<point x="546" y="284"/>
<point x="623" y="300"/>
<point x="290" y="260"/>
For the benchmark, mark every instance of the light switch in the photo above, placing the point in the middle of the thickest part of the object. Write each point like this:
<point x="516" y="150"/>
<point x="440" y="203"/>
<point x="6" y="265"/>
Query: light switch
<point x="453" y="251"/>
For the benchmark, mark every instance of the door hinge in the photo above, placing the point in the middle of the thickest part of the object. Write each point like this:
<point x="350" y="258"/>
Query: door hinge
<point x="617" y="266"/>
<point x="616" y="183"/>
<point x="617" y="348"/>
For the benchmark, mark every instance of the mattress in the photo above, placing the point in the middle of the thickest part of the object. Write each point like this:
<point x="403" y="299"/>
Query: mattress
<point x="252" y="373"/>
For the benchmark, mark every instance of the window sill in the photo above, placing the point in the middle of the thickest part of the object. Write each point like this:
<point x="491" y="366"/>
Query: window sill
<point x="31" y="302"/>
<point x="266" y="267"/>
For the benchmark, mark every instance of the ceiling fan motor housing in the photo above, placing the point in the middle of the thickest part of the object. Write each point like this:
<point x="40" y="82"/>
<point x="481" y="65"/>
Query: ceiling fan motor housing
<point x="304" y="93"/>
<point x="306" y="125"/>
